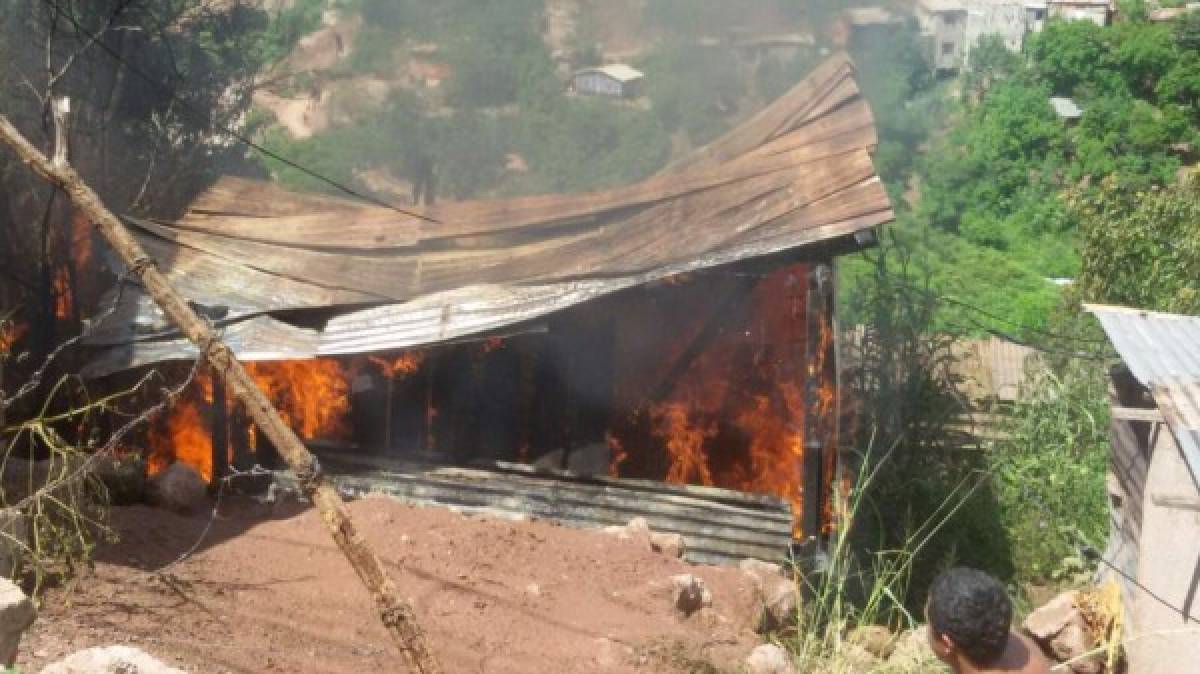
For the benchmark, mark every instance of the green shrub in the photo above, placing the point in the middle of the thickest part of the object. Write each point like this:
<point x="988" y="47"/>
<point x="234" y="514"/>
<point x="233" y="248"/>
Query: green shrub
<point x="1049" y="474"/>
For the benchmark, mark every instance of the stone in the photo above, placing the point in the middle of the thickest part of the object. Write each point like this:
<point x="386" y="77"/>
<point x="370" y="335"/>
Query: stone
<point x="14" y="541"/>
<point x="780" y="603"/>
<point x="855" y="659"/>
<point x="124" y="478"/>
<point x="760" y="571"/>
<point x="769" y="659"/>
<point x="689" y="594"/>
<point x="911" y="653"/>
<point x="876" y="639"/>
<point x="180" y="488"/>
<point x="1063" y="633"/>
<point x="671" y="545"/>
<point x="16" y="615"/>
<point x="110" y="660"/>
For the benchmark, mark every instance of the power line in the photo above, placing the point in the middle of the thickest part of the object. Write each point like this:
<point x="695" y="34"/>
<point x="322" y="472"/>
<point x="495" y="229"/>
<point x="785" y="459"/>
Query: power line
<point x="228" y="129"/>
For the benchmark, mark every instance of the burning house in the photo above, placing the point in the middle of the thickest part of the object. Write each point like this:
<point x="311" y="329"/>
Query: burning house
<point x="664" y="349"/>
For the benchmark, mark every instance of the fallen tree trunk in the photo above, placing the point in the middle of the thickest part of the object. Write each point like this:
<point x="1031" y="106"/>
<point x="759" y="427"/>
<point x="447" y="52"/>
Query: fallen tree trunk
<point x="396" y="614"/>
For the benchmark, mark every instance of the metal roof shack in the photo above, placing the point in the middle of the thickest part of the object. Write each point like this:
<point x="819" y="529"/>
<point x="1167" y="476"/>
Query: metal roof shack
<point x="1154" y="482"/>
<point x="615" y="79"/>
<point x="1066" y="108"/>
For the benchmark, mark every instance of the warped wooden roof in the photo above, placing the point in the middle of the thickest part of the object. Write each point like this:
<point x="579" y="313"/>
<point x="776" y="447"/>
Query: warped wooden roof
<point x="797" y="173"/>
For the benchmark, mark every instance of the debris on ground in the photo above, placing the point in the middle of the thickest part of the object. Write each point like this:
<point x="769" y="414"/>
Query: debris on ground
<point x="179" y="488"/>
<point x="111" y="660"/>
<point x="1063" y="632"/>
<point x="769" y="659"/>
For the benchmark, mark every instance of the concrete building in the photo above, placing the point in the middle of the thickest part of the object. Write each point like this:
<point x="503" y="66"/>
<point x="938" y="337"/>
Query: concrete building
<point x="616" y="79"/>
<point x="1153" y="549"/>
<point x="1098" y="12"/>
<point x="952" y="28"/>
<point x="943" y="25"/>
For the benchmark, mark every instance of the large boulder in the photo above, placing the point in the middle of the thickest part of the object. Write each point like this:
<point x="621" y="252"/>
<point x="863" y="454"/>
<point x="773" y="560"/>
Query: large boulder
<point x="110" y="660"/>
<point x="180" y="488"/>
<point x="1061" y="630"/>
<point x="769" y="659"/>
<point x="16" y="615"/>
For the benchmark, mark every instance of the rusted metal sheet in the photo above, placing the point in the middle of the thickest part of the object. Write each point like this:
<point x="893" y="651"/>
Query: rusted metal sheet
<point x="719" y="526"/>
<point x="1163" y="353"/>
<point x="798" y="173"/>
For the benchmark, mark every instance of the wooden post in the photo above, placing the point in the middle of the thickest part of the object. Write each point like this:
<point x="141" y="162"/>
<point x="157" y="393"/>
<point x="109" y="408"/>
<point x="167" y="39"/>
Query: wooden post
<point x="220" y="434"/>
<point x="396" y="614"/>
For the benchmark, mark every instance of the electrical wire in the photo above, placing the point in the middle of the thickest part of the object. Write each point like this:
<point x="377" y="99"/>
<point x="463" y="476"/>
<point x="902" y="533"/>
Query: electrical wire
<point x="228" y="129"/>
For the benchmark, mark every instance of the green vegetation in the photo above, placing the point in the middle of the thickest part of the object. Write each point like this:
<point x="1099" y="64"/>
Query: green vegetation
<point x="1141" y="248"/>
<point x="1049" y="474"/>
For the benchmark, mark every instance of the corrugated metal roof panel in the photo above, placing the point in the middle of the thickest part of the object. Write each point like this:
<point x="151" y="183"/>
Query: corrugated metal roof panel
<point x="1163" y="353"/>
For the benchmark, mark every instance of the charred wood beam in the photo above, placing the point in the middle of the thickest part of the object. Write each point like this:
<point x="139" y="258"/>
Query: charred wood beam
<point x="220" y="434"/>
<point x="395" y="613"/>
<point x="741" y="289"/>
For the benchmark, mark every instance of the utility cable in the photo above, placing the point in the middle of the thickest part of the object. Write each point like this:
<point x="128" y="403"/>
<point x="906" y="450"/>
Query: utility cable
<point x="228" y="129"/>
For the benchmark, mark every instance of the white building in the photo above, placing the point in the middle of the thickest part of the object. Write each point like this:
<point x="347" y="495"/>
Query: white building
<point x="952" y="28"/>
<point x="616" y="79"/>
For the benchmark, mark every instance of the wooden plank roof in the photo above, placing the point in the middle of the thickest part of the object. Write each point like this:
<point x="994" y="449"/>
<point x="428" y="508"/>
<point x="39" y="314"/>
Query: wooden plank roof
<point x="796" y="174"/>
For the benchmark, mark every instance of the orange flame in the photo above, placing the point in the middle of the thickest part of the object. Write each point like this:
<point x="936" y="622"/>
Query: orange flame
<point x="312" y="396"/>
<point x="404" y="365"/>
<point x="63" y="296"/>
<point x="184" y="435"/>
<point x="736" y="417"/>
<point x="10" y="334"/>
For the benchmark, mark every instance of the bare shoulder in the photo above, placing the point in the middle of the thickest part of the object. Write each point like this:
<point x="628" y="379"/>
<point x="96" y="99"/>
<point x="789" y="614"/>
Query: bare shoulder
<point x="1025" y="657"/>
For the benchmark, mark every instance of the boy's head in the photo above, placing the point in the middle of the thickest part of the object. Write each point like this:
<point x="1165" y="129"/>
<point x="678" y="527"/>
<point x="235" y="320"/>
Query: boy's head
<point x="969" y="616"/>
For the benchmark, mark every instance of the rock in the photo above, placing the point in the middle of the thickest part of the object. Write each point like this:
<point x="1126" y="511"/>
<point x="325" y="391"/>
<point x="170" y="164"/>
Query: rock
<point x="689" y="594"/>
<point x="769" y="659"/>
<point x="760" y="571"/>
<point x="780" y="602"/>
<point x="876" y="639"/>
<point x="16" y="615"/>
<point x="911" y="653"/>
<point x="124" y="478"/>
<point x="1061" y="630"/>
<point x="110" y="660"/>
<point x="180" y="488"/>
<point x="671" y="545"/>
<point x="14" y="541"/>
<point x="638" y="529"/>
<point x="854" y="659"/>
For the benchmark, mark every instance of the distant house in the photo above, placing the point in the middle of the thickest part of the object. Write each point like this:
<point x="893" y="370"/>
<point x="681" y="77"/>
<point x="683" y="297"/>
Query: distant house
<point x="943" y="25"/>
<point x="1036" y="13"/>
<point x="952" y="28"/>
<point x="616" y="79"/>
<point x="1154" y="485"/>
<point x="1098" y="12"/>
<point x="1066" y="109"/>
<point x="1173" y="13"/>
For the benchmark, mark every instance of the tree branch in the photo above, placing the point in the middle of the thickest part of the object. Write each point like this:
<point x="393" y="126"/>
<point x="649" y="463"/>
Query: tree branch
<point x="396" y="614"/>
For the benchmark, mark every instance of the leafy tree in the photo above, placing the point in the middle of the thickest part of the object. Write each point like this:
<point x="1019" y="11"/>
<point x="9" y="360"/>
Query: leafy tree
<point x="1141" y="248"/>
<point x="694" y="88"/>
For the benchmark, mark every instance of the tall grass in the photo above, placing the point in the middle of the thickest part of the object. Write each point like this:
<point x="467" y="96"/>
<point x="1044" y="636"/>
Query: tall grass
<point x="860" y="589"/>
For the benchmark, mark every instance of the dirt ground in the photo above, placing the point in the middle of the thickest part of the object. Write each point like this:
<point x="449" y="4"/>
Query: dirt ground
<point x="267" y="590"/>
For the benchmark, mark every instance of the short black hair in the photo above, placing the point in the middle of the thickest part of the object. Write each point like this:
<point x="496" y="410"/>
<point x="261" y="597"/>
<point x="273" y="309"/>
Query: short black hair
<point x="971" y="608"/>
